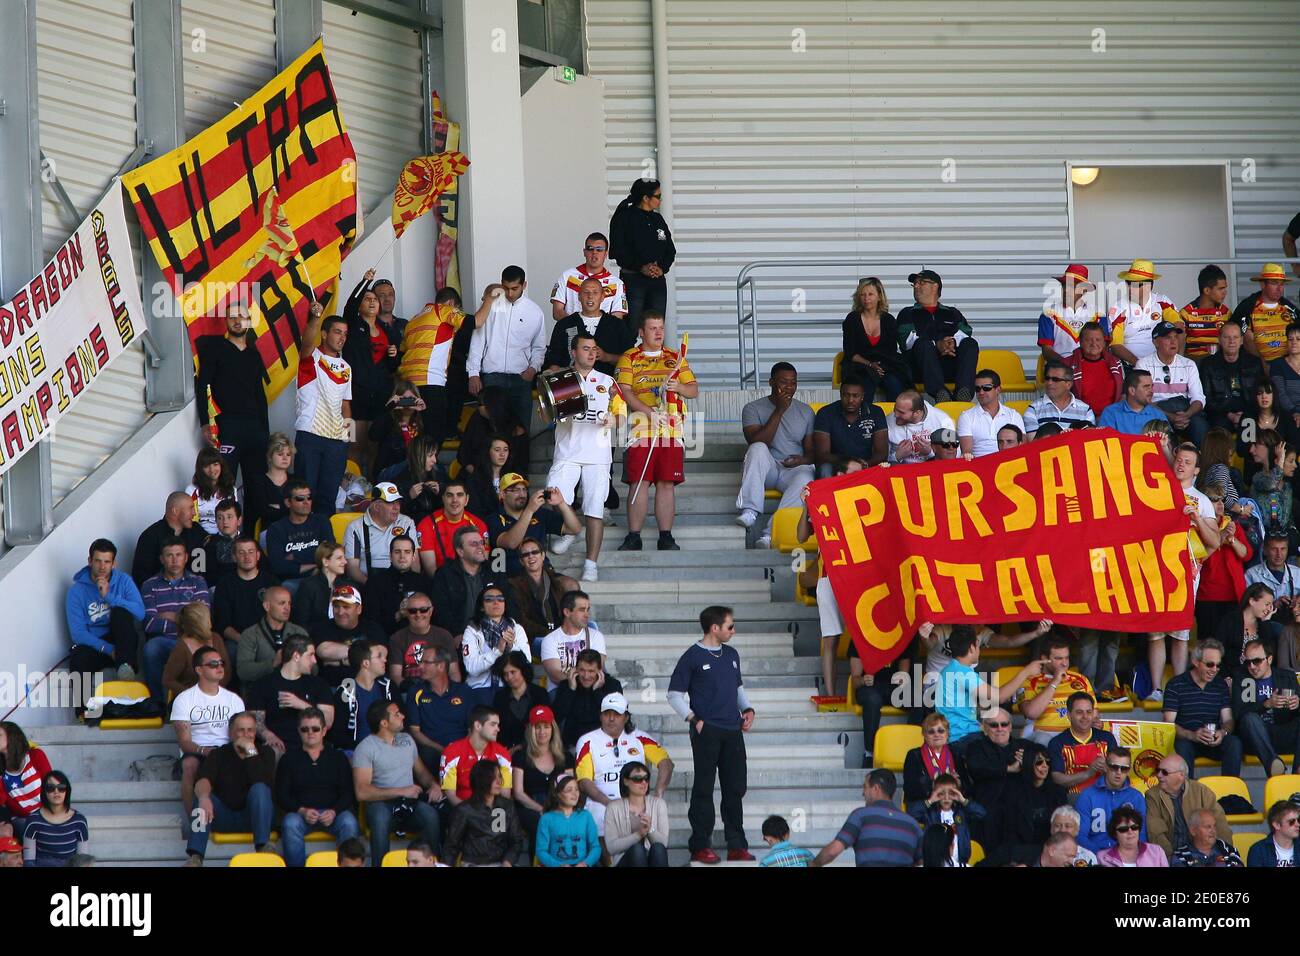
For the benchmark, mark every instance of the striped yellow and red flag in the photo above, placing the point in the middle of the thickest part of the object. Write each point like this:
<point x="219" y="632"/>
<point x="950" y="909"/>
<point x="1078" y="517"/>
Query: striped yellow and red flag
<point x="422" y="181"/>
<point x="254" y="207"/>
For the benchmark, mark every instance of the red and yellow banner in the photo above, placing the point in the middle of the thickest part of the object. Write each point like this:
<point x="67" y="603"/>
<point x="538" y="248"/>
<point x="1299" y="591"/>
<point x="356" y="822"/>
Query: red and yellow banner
<point x="446" y="139"/>
<point x="420" y="184"/>
<point x="1086" y="528"/>
<point x="279" y="170"/>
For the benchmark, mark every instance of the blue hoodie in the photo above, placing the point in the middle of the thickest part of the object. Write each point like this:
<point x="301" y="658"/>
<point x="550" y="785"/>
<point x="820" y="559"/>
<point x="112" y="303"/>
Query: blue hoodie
<point x="1096" y="805"/>
<point x="87" y="612"/>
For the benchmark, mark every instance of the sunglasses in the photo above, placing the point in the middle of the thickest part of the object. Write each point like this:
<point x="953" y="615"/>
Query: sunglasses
<point x="301" y="497"/>
<point x="1118" y="767"/>
<point x="949" y="444"/>
<point x="1166" y="370"/>
<point x="530" y="554"/>
<point x="1162" y="772"/>
<point x="1252" y="661"/>
<point x="637" y="778"/>
<point x="1292" y="822"/>
<point x="657" y="196"/>
<point x="1057" y="378"/>
<point x="999" y="725"/>
<point x="493" y="598"/>
<point x="1127" y="828"/>
<point x="310" y="730"/>
<point x="56" y="787"/>
<point x="1214" y="500"/>
<point x="1210" y="665"/>
<point x="985" y="388"/>
<point x="213" y="664"/>
<point x="427" y="609"/>
<point x="593" y="248"/>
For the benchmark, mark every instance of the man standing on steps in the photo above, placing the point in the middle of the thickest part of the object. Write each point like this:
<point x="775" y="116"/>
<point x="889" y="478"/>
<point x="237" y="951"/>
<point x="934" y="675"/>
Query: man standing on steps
<point x="879" y="833"/>
<point x="718" y="714"/>
<point x="583" y="449"/>
<point x="779" y="431"/>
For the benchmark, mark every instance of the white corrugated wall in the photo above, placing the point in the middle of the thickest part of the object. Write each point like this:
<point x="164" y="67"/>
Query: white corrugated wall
<point x="378" y="79"/>
<point x="821" y="129"/>
<point x="86" y="87"/>
<point x="229" y="52"/>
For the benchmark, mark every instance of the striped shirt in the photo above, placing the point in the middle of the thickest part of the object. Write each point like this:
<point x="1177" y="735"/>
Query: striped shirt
<point x="881" y="835"/>
<point x="161" y="595"/>
<point x="49" y="844"/>
<point x="786" y="854"/>
<point x="1195" y="706"/>
<point x="22" y="789"/>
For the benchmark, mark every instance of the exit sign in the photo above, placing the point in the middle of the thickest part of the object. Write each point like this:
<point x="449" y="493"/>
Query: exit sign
<point x="566" y="74"/>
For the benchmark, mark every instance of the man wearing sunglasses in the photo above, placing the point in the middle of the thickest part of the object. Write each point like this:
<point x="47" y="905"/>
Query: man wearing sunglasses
<point x="201" y="716"/>
<point x="945" y="444"/>
<point x="1199" y="704"/>
<point x="1265" y="705"/>
<point x="291" y="542"/>
<point x="313" y="787"/>
<point x="979" y="425"/>
<point x="564" y="294"/>
<point x="1284" y="824"/>
<point x="1173" y="800"/>
<point x="937" y="340"/>
<point x="1059" y="404"/>
<point x="1176" y="383"/>
<point x="1098" y="803"/>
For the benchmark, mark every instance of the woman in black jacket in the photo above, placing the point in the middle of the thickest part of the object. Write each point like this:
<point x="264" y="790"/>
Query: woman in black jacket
<point x="517" y="698"/>
<point x="421" y="481"/>
<point x="373" y="359"/>
<point x="484" y="830"/>
<point x="642" y="243"/>
<point x="871" y="342"/>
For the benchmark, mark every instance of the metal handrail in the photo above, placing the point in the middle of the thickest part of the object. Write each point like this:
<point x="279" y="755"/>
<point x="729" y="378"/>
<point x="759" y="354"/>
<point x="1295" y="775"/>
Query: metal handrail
<point x="746" y="280"/>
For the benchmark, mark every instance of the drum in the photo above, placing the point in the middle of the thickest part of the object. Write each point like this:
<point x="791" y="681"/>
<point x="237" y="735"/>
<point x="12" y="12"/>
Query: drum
<point x="560" y="395"/>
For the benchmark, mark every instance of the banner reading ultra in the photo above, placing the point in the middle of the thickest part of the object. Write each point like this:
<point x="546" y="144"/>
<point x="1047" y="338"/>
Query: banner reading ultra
<point x="64" y="326"/>
<point x="201" y="209"/>
<point x="1085" y="528"/>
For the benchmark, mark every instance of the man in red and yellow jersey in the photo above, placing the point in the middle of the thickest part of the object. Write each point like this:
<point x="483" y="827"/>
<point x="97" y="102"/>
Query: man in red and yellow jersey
<point x="1046" y="695"/>
<point x="426" y="353"/>
<point x="654" y="380"/>
<point x="1204" y="316"/>
<point x="1078" y="753"/>
<point x="1266" y="314"/>
<point x="460" y="756"/>
<point x="437" y="532"/>
<point x="603" y="752"/>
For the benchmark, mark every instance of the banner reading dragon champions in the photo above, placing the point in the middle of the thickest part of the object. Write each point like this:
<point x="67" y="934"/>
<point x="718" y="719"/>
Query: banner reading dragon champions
<point x="1086" y="528"/>
<point x="62" y="328"/>
<point x="203" y="210"/>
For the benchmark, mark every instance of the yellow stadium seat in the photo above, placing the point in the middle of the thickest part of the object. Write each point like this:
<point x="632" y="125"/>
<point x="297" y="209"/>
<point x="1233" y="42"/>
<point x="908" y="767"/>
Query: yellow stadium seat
<point x="1020" y="406"/>
<point x="1222" y="786"/>
<point x="1009" y="368"/>
<point x="324" y="858"/>
<point x="1244" y="841"/>
<point x="892" y="743"/>
<point x="837" y="374"/>
<point x="1156" y="704"/>
<point x="817" y="406"/>
<point x="134" y="690"/>
<point x="1280" y="788"/>
<point x="889" y="710"/>
<point x="339" y="522"/>
<point x="236" y="837"/>
<point x="256" y="859"/>
<point x="453" y="470"/>
<point x="772" y="495"/>
<point x="394" y="858"/>
<point x="976" y="852"/>
<point x="784" y="525"/>
<point x="1251" y="760"/>
<point x="886" y="407"/>
<point x="352" y="468"/>
<point x="953" y="409"/>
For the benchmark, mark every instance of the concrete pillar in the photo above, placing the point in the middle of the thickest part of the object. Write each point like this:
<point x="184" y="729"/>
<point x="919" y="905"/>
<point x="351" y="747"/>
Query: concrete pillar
<point x="481" y="48"/>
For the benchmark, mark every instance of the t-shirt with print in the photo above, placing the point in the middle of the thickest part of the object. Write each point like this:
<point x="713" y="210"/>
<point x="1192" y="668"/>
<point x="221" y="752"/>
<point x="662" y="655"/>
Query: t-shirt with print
<point x="1068" y="754"/>
<point x="586" y="439"/>
<point x="566" y="647"/>
<point x="645" y="373"/>
<point x="796" y="425"/>
<point x="208" y="716"/>
<point x="437" y="534"/>
<point x="1056" y="718"/>
<point x="392" y="765"/>
<point x="324" y="383"/>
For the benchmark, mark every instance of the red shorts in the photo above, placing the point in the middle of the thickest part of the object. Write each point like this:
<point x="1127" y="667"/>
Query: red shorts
<point x="666" y="464"/>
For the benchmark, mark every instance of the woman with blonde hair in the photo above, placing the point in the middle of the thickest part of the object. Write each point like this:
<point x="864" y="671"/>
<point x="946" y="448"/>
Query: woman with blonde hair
<point x="311" y="605"/>
<point x="264" y="494"/>
<point x="194" y="630"/>
<point x="536" y="766"/>
<point x="871" y="342"/>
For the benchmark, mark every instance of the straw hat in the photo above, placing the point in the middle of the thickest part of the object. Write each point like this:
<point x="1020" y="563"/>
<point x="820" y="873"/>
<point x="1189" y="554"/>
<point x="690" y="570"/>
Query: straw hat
<point x="1272" y="272"/>
<point x="1142" y="270"/>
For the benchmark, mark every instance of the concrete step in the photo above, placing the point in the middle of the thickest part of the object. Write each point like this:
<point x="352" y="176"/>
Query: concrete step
<point x="128" y="798"/>
<point x="688" y="561"/>
<point x="631" y="617"/>
<point x="760" y="576"/>
<point x="91" y="754"/>
<point x="764" y="757"/>
<point x="787" y="729"/>
<point x="695" y="593"/>
<point x="669" y="645"/>
<point x="700" y="533"/>
<point x="780" y="783"/>
<point x="805" y="670"/>
<point x="769" y="701"/>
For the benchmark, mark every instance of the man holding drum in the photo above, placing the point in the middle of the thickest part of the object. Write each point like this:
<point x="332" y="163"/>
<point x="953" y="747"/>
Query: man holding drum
<point x="583" y="447"/>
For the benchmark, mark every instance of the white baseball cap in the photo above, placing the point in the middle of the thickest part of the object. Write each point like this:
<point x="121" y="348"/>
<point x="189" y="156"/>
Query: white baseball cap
<point x="614" y="702"/>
